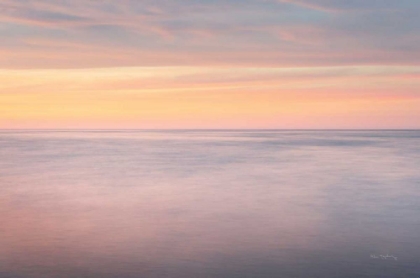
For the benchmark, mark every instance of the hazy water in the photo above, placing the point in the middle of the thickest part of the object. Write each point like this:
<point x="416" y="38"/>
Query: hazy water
<point x="210" y="204"/>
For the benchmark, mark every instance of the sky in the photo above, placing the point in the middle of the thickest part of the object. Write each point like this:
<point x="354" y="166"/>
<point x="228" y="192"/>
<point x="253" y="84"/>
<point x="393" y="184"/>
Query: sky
<point x="312" y="64"/>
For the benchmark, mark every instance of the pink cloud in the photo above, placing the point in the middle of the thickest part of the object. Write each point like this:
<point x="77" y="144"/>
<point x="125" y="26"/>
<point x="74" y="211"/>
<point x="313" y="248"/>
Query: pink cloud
<point x="42" y="33"/>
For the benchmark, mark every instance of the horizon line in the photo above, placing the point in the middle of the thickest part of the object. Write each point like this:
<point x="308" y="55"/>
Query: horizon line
<point x="209" y="129"/>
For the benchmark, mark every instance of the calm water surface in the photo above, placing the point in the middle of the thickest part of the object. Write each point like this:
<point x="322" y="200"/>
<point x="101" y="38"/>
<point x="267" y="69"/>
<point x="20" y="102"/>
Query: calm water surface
<point x="209" y="204"/>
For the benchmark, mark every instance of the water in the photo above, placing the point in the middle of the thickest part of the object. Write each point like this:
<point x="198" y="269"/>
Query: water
<point x="209" y="204"/>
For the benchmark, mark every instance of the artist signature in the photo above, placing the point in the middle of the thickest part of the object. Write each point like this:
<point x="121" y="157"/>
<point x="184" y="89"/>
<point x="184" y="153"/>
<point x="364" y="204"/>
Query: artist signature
<point x="384" y="257"/>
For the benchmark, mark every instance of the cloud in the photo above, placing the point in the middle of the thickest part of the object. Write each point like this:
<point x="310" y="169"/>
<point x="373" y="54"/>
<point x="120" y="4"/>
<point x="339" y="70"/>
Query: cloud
<point x="159" y="97"/>
<point x="353" y="5"/>
<point x="156" y="33"/>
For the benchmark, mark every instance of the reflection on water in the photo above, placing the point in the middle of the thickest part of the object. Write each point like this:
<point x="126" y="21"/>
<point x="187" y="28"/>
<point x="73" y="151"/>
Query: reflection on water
<point x="209" y="204"/>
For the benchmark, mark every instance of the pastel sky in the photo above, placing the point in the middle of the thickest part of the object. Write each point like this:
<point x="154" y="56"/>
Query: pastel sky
<point x="209" y="64"/>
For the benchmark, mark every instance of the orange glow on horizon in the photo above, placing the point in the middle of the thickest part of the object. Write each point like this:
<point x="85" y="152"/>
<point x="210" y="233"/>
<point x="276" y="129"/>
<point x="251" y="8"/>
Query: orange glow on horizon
<point x="197" y="97"/>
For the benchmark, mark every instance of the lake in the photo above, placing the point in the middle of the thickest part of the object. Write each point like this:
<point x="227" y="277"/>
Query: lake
<point x="209" y="203"/>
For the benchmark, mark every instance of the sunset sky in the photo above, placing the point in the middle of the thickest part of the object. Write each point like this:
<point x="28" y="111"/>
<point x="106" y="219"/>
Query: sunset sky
<point x="209" y="64"/>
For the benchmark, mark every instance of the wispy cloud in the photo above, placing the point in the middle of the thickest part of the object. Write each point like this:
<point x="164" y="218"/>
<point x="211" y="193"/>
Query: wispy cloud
<point x="265" y="33"/>
<point x="193" y="97"/>
<point x="353" y="5"/>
